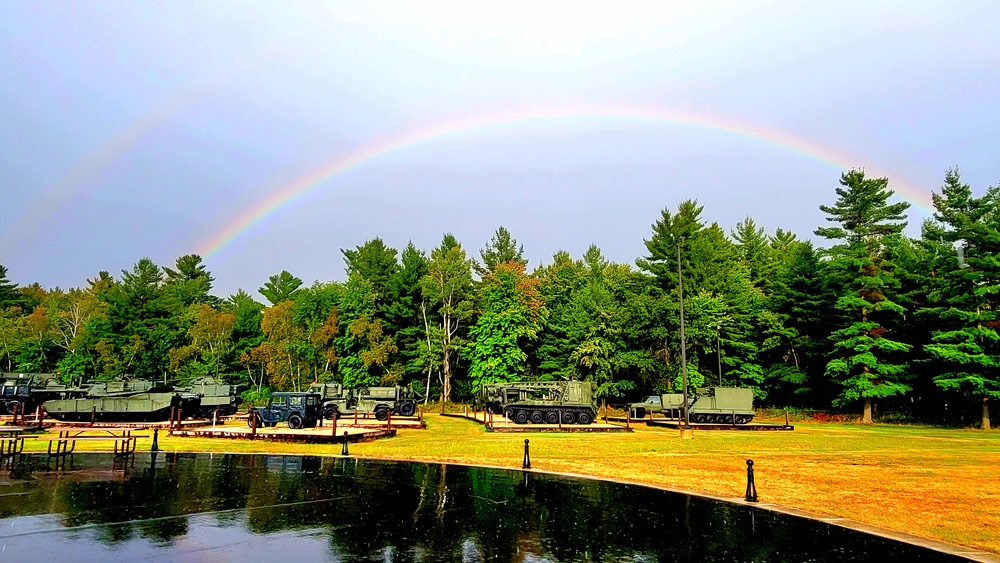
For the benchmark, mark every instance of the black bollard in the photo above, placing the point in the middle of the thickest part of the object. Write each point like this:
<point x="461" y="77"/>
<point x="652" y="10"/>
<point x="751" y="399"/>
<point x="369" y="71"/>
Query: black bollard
<point x="751" y="487"/>
<point x="156" y="445"/>
<point x="527" y="460"/>
<point x="344" y="450"/>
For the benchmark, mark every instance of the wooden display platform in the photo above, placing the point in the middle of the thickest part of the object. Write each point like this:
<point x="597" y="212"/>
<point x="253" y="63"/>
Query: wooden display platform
<point x="753" y="426"/>
<point x="305" y="435"/>
<point x="498" y="423"/>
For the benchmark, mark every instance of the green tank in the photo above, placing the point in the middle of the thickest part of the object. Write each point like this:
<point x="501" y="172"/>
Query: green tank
<point x="542" y="402"/>
<point x="214" y="396"/>
<point x="123" y="401"/>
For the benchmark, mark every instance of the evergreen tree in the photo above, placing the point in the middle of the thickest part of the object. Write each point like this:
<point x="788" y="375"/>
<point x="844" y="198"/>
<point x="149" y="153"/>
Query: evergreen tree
<point x="502" y="248"/>
<point x="863" y="352"/>
<point x="280" y="287"/>
<point x="9" y="295"/>
<point x="966" y="300"/>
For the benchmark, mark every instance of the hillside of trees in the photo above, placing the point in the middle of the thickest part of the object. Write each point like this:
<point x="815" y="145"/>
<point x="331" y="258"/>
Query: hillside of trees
<point x="870" y="321"/>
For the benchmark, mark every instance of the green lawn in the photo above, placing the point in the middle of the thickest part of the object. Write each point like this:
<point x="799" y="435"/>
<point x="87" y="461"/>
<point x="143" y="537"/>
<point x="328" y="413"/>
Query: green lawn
<point x="937" y="483"/>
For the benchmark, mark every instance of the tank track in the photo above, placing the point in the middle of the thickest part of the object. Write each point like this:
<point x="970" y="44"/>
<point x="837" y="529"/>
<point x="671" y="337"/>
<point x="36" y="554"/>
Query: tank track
<point x="549" y="414"/>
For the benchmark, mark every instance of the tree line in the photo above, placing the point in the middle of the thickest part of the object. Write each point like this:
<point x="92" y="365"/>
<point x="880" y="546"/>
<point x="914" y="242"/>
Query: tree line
<point x="873" y="319"/>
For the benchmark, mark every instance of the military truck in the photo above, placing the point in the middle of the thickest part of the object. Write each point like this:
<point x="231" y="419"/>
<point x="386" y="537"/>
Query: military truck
<point x="23" y="392"/>
<point x="299" y="410"/>
<point x="335" y="400"/>
<point x="398" y="400"/>
<point x="716" y="405"/>
<point x="550" y="402"/>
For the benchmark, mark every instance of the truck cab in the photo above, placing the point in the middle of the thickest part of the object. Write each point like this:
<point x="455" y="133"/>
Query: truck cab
<point x="299" y="410"/>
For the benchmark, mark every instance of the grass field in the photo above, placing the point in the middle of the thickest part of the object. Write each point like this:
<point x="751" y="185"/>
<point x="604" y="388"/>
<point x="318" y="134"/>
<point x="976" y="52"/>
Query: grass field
<point x="931" y="482"/>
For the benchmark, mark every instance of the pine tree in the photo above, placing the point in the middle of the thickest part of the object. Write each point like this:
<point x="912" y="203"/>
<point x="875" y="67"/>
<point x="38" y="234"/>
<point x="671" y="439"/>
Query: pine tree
<point x="966" y="301"/>
<point x="863" y="352"/>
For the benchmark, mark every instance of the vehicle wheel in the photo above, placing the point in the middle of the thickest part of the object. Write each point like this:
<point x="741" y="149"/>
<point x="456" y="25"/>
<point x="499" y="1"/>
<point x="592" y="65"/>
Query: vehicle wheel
<point x="382" y="413"/>
<point x="552" y="417"/>
<point x="568" y="417"/>
<point x="739" y="419"/>
<point x="747" y="419"/>
<point x="407" y="409"/>
<point x="13" y="406"/>
<point x="295" y="422"/>
<point x="727" y="419"/>
<point x="330" y="412"/>
<point x="639" y="413"/>
<point x="699" y="418"/>
<point x="537" y="417"/>
<point x="710" y="418"/>
<point x="520" y="417"/>
<point x="584" y="417"/>
<point x="251" y="418"/>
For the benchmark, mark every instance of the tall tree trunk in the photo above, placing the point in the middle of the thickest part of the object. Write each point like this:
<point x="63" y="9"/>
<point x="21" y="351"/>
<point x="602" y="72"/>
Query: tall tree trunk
<point x="446" y="364"/>
<point x="867" y="419"/>
<point x="986" y="413"/>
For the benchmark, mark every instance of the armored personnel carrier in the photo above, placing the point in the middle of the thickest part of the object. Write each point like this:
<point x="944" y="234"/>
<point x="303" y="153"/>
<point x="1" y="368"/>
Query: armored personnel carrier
<point x="123" y="401"/>
<point x="716" y="405"/>
<point x="214" y="396"/>
<point x="23" y="392"/>
<point x="550" y="402"/>
<point x="336" y="401"/>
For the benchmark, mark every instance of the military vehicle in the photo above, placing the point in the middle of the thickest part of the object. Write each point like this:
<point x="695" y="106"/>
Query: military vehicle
<point x="335" y="400"/>
<point x="215" y="396"/>
<point x="551" y="402"/>
<point x="23" y="392"/>
<point x="398" y="400"/>
<point x="717" y="405"/>
<point x="136" y="400"/>
<point x="299" y="410"/>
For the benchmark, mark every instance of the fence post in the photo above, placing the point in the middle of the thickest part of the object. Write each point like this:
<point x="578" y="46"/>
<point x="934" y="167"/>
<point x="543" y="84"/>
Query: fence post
<point x="253" y="424"/>
<point x="527" y="460"/>
<point x="388" y="421"/>
<point x="156" y="443"/>
<point x="333" y="424"/>
<point x="93" y="415"/>
<point x="343" y="450"/>
<point x="751" y="495"/>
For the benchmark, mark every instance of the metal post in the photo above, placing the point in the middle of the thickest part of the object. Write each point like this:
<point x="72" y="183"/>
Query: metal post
<point x="751" y="486"/>
<point x="684" y="369"/>
<point x="343" y="450"/>
<point x="253" y="424"/>
<point x="527" y="459"/>
<point x="215" y="417"/>
<point x="718" y="352"/>
<point x="333" y="426"/>
<point x="156" y="442"/>
<point x="93" y="415"/>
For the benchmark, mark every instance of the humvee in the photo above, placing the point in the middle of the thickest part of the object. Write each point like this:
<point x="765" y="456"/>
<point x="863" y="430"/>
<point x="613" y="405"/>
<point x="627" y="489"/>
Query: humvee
<point x="300" y="410"/>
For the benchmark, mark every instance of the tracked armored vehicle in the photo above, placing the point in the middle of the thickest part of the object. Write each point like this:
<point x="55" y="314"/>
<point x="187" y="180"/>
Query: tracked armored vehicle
<point x="542" y="402"/>
<point x="214" y="397"/>
<point x="123" y="401"/>
<point x="23" y="392"/>
<point x="708" y="405"/>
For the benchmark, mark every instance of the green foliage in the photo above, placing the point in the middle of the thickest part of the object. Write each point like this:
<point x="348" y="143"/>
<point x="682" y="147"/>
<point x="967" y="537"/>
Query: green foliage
<point x="510" y="318"/>
<point x="280" y="287"/>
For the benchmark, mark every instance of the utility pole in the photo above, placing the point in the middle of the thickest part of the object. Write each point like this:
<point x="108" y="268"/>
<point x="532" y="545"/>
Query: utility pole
<point x="684" y="368"/>
<point x="718" y="352"/>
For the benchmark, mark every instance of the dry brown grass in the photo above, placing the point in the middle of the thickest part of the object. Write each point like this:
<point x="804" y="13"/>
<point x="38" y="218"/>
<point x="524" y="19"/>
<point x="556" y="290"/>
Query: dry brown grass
<point x="936" y="483"/>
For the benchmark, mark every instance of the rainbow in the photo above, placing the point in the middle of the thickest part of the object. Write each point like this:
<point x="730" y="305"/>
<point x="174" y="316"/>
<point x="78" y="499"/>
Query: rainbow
<point x="305" y="183"/>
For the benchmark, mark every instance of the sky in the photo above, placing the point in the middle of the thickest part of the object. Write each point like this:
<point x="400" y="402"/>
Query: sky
<point x="267" y="136"/>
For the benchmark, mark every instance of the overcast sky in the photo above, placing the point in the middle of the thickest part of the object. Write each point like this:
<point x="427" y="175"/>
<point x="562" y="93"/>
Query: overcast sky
<point x="132" y="129"/>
